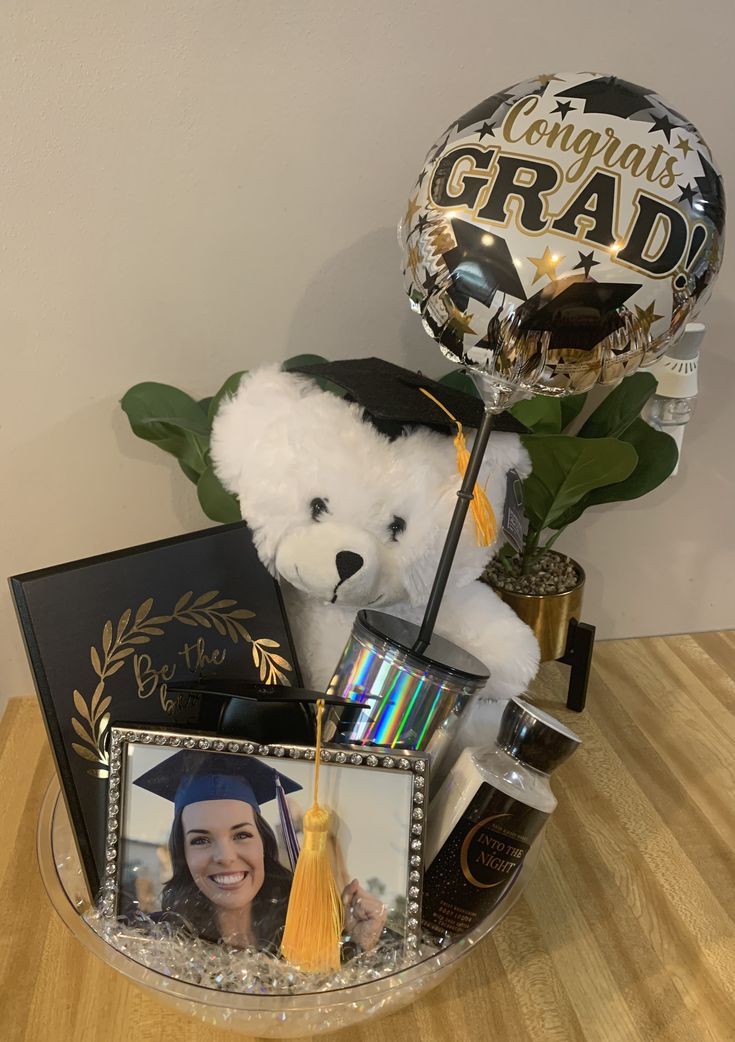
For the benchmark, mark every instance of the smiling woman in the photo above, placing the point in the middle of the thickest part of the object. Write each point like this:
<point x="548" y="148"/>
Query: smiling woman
<point x="228" y="882"/>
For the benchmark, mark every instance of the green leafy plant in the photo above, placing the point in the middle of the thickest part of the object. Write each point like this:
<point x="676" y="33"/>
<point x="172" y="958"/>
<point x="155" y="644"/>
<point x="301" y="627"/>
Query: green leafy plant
<point x="614" y="456"/>
<point x="180" y="425"/>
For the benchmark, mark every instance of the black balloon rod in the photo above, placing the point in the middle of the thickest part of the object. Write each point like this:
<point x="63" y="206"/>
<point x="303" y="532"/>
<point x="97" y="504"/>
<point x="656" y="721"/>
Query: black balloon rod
<point x="464" y="498"/>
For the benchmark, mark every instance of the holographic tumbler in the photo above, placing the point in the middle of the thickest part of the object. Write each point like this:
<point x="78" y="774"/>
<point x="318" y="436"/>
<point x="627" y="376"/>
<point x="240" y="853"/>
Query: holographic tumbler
<point x="399" y="698"/>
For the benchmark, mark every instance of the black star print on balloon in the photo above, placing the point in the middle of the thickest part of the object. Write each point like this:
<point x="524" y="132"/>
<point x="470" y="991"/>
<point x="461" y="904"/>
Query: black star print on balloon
<point x="688" y="194"/>
<point x="486" y="130"/>
<point x="564" y="108"/>
<point x="423" y="220"/>
<point x="480" y="265"/>
<point x="420" y="178"/>
<point x="685" y="124"/>
<point x="586" y="261"/>
<point x="436" y="152"/>
<point x="610" y="95"/>
<point x="430" y="283"/>
<point x="663" y="123"/>
<point x="484" y="111"/>
<point x="712" y="193"/>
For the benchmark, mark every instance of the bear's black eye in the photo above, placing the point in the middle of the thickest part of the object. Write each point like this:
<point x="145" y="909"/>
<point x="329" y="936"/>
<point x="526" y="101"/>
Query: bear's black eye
<point x="396" y="527"/>
<point x="318" y="506"/>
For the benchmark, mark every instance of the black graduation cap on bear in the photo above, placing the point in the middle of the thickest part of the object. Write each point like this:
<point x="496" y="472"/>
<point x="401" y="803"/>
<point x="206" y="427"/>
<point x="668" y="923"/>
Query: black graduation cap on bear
<point x="392" y="400"/>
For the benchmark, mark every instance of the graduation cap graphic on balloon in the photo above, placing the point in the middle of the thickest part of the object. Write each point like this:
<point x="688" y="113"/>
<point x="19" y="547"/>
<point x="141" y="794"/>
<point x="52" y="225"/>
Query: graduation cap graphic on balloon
<point x="577" y="313"/>
<point x="481" y="265"/>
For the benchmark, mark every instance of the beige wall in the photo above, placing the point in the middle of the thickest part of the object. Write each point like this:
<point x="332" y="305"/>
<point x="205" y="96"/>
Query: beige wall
<point x="190" y="188"/>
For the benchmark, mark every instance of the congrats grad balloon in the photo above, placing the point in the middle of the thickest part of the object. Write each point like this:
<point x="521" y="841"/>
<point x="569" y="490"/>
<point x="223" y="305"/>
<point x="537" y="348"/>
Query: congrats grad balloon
<point x="563" y="231"/>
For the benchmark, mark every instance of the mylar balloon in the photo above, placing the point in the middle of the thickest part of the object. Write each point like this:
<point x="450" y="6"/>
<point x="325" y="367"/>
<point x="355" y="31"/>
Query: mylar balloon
<point x="563" y="231"/>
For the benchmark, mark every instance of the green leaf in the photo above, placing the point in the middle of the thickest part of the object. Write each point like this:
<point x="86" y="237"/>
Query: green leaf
<point x="326" y="385"/>
<point x="657" y="455"/>
<point x="571" y="406"/>
<point x="171" y="419"/>
<point x="149" y="405"/>
<point x="299" y="360"/>
<point x="216" y="503"/>
<point x="193" y="452"/>
<point x="615" y="414"/>
<point x="460" y="381"/>
<point x="228" y="388"/>
<point x="541" y="414"/>
<point x="566" y="469"/>
<point x="191" y="473"/>
<point x="506" y="552"/>
<point x="204" y="404"/>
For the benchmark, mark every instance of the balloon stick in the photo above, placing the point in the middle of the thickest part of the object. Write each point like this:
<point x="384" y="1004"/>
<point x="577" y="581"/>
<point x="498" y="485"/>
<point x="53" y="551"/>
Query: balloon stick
<point x="464" y="498"/>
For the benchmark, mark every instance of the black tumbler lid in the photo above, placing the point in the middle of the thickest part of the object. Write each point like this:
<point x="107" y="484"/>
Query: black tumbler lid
<point x="440" y="654"/>
<point x="534" y="737"/>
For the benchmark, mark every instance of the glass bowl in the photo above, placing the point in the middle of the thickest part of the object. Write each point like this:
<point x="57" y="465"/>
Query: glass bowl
<point x="267" y="1016"/>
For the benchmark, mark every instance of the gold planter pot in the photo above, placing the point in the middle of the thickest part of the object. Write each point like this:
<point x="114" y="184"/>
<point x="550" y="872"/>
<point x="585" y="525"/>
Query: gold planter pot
<point x="548" y="614"/>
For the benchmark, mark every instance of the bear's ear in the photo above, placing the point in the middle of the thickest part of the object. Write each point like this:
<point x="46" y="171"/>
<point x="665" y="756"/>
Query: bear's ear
<point x="259" y="412"/>
<point x="504" y="452"/>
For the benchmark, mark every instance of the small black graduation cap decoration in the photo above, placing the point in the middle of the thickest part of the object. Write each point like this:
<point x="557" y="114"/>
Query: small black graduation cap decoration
<point x="266" y="713"/>
<point x="194" y="777"/>
<point x="480" y="270"/>
<point x="392" y="400"/>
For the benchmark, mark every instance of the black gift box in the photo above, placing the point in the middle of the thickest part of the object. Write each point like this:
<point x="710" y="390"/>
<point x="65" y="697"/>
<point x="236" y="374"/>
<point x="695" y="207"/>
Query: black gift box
<point x="111" y="638"/>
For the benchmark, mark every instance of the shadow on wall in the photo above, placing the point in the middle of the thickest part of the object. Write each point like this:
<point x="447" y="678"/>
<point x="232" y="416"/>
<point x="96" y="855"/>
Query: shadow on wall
<point x="355" y="306"/>
<point x="661" y="564"/>
<point x="169" y="483"/>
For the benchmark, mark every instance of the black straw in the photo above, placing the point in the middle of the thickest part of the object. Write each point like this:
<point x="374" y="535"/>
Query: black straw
<point x="464" y="498"/>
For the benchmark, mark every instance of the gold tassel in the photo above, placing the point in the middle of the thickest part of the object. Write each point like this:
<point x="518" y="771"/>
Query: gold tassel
<point x="314" y="918"/>
<point x="482" y="511"/>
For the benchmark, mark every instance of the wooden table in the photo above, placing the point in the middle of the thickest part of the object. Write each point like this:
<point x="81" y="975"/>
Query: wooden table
<point x="625" y="934"/>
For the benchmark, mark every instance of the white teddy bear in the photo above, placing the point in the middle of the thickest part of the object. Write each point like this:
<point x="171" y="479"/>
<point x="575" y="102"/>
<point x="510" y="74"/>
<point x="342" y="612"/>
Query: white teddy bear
<point x="346" y="518"/>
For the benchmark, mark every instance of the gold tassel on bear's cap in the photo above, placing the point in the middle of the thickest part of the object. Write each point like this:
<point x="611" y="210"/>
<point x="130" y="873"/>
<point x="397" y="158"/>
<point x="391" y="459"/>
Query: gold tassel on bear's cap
<point x="314" y="918"/>
<point x="482" y="511"/>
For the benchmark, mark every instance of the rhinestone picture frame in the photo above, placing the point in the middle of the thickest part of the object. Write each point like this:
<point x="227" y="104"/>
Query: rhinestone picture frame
<point x="411" y="767"/>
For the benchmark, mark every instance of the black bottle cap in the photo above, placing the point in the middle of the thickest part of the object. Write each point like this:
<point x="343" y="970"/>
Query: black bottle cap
<point x="534" y="737"/>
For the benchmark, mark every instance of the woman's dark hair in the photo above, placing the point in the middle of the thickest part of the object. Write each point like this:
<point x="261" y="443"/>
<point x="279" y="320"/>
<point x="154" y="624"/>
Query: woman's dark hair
<point x="182" y="897"/>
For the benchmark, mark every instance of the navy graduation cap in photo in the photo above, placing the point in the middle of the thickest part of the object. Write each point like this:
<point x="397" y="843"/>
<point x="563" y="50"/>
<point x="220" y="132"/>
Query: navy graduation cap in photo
<point x="195" y="777"/>
<point x="392" y="399"/>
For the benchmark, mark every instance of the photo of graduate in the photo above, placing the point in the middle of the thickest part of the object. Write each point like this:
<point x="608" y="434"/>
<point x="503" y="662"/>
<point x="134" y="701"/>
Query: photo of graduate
<point x="225" y="871"/>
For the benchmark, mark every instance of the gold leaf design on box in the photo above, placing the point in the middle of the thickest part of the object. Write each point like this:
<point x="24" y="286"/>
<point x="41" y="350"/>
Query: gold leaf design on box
<point x="223" y="615"/>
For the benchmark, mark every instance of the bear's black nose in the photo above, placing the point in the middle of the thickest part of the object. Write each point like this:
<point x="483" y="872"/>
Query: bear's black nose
<point x="347" y="564"/>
